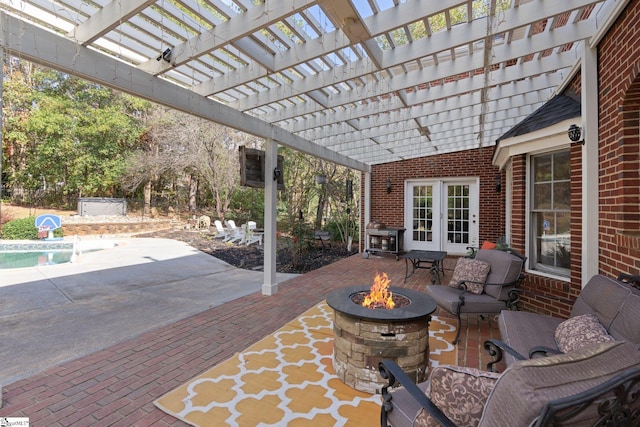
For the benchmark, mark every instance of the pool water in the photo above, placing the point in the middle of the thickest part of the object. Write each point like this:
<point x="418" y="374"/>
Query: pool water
<point x="33" y="258"/>
<point x="40" y="253"/>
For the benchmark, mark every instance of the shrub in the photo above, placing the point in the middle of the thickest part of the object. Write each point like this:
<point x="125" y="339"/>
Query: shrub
<point x="23" y="229"/>
<point x="339" y="225"/>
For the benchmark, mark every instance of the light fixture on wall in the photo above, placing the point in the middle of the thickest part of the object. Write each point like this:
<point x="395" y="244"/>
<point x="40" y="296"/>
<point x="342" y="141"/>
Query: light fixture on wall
<point x="276" y="173"/>
<point x="388" y="185"/>
<point x="498" y="183"/>
<point x="166" y="55"/>
<point x="574" y="133"/>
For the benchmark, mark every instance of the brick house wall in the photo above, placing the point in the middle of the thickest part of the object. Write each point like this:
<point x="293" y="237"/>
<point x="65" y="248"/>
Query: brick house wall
<point x="619" y="171"/>
<point x="544" y="294"/>
<point x="388" y="208"/>
<point x="619" y="130"/>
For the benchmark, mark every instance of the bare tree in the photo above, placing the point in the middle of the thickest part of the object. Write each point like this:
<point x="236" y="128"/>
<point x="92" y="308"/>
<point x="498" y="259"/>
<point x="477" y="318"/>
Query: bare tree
<point x="154" y="158"/>
<point x="201" y="154"/>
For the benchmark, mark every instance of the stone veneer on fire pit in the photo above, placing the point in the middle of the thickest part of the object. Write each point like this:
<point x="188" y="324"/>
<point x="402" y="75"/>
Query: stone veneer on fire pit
<point x="365" y="336"/>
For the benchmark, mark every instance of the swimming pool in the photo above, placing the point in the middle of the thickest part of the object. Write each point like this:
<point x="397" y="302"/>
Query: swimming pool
<point x="41" y="253"/>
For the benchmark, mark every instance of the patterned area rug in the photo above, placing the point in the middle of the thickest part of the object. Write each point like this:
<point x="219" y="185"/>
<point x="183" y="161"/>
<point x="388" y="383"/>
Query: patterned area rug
<point x="287" y="379"/>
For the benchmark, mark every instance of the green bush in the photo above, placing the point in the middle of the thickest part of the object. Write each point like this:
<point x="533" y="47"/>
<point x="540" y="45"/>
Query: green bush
<point x="302" y="232"/>
<point x="247" y="204"/>
<point x="340" y="224"/>
<point x="24" y="229"/>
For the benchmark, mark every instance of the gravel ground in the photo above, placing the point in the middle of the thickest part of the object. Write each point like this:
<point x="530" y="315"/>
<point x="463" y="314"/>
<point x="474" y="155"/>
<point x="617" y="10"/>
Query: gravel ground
<point x="290" y="260"/>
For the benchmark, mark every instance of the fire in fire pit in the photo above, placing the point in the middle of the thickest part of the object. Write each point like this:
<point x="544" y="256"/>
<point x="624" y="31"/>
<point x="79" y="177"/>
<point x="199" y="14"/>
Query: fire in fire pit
<point x="379" y="296"/>
<point x="364" y="336"/>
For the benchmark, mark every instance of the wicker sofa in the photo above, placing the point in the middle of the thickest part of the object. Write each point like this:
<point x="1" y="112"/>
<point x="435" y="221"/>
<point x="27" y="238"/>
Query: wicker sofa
<point x="606" y="310"/>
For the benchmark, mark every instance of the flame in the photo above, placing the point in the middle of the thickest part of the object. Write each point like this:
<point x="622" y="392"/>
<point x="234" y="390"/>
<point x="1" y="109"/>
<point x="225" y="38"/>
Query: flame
<point x="379" y="296"/>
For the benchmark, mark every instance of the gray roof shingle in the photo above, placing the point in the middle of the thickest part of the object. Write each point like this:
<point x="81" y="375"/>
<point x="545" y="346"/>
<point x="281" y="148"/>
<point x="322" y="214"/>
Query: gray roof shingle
<point x="559" y="108"/>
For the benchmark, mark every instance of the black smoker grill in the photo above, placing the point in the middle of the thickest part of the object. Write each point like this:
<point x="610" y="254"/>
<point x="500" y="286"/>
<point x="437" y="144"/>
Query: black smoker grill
<point x="385" y="240"/>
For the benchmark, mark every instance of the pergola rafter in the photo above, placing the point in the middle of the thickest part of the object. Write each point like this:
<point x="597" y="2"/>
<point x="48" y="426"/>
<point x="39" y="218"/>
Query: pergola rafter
<point x="361" y="81"/>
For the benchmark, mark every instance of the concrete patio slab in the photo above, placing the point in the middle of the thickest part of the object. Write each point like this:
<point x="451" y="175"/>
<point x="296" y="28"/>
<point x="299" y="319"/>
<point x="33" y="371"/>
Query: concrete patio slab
<point x="55" y="313"/>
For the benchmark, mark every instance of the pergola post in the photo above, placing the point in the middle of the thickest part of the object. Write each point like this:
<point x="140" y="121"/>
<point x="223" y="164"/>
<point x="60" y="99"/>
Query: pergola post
<point x="270" y="286"/>
<point x="590" y="199"/>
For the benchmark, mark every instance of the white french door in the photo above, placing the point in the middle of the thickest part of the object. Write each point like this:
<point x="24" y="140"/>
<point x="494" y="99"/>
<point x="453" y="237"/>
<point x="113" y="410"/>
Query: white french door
<point x="441" y="215"/>
<point x="422" y="216"/>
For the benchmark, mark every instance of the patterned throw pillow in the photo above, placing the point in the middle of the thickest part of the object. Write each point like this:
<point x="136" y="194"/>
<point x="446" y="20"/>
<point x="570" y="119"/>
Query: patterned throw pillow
<point x="474" y="271"/>
<point x="459" y="392"/>
<point x="577" y="331"/>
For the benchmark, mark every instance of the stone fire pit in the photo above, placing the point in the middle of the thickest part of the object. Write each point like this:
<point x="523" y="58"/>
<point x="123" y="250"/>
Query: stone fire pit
<point x="365" y="336"/>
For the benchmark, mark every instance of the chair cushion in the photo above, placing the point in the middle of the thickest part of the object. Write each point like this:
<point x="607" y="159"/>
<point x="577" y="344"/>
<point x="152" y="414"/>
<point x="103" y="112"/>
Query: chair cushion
<point x="505" y="268"/>
<point x="471" y="270"/>
<point x="577" y="331"/>
<point x="488" y="245"/>
<point x="459" y="392"/>
<point x="517" y="331"/>
<point x="625" y="325"/>
<point x="525" y="387"/>
<point x="448" y="298"/>
<point x="405" y="408"/>
<point x="603" y="297"/>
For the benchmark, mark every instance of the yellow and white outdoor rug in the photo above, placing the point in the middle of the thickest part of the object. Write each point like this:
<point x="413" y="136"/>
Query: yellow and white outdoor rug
<point x="287" y="379"/>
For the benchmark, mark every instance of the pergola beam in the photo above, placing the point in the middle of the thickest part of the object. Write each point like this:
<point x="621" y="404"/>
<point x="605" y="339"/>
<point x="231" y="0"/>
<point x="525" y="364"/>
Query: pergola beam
<point x="427" y="115"/>
<point x="447" y="98"/>
<point x="232" y="31"/>
<point x="111" y="15"/>
<point x="430" y="46"/>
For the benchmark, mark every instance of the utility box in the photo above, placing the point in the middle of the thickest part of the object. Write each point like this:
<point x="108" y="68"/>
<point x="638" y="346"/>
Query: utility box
<point x="94" y="206"/>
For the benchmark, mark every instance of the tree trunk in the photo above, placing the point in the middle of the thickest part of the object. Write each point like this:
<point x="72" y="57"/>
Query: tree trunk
<point x="147" y="197"/>
<point x="193" y="192"/>
<point x="320" y="211"/>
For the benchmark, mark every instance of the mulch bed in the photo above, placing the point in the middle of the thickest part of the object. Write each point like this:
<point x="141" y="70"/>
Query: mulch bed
<point x="291" y="260"/>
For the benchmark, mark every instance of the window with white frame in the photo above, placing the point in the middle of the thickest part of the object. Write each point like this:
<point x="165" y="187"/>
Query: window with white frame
<point x="549" y="213"/>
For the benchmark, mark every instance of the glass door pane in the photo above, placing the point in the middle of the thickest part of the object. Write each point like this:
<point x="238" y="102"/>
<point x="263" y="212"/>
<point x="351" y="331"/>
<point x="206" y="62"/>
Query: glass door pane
<point x="422" y="222"/>
<point x="422" y="216"/>
<point x="461" y="217"/>
<point x="458" y="214"/>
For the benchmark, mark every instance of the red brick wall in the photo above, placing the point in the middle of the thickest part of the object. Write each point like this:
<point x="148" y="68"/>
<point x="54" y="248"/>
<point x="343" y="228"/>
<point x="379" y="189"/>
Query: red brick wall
<point x="619" y="171"/>
<point x="538" y="289"/>
<point x="389" y="208"/>
<point x="619" y="125"/>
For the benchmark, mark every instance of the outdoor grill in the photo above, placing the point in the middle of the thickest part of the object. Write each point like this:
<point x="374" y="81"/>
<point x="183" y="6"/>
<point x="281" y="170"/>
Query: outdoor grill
<point x="384" y="239"/>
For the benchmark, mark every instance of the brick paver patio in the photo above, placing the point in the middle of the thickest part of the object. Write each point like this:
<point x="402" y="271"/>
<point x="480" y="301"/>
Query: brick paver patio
<point x="117" y="386"/>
